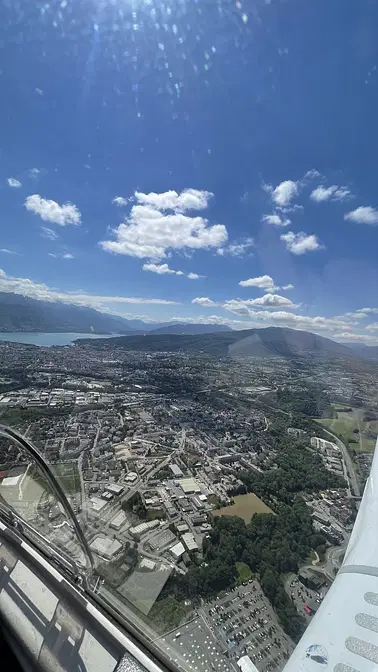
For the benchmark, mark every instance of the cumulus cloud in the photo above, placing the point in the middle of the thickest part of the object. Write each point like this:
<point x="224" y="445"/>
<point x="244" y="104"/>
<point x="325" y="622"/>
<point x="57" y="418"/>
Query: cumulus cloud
<point x="363" y="215"/>
<point x="372" y="327"/>
<point x="188" y="199"/>
<point x="120" y="201"/>
<point x="150" y="231"/>
<point x="287" y="287"/>
<point x="267" y="301"/>
<point x="368" y="310"/>
<point x="284" y="193"/>
<point x="262" y="282"/>
<point x="35" y="290"/>
<point x="237" y="249"/>
<point x="283" y="318"/>
<point x="333" y="193"/>
<point x="300" y="243"/>
<point x="275" y="220"/>
<point x="161" y="269"/>
<point x="50" y="211"/>
<point x="12" y="182"/>
<point x="48" y="233"/>
<point x="205" y="302"/>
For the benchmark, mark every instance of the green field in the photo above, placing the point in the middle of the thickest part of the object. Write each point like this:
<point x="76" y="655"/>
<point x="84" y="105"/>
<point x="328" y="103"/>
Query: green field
<point x="364" y="437"/>
<point x="67" y="474"/>
<point x="244" y="506"/>
<point x="244" y="573"/>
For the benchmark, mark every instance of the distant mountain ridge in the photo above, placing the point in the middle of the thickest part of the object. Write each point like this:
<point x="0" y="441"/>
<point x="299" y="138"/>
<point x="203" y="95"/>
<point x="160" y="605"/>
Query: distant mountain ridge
<point x="190" y="329"/>
<point x="22" y="313"/>
<point x="268" y="341"/>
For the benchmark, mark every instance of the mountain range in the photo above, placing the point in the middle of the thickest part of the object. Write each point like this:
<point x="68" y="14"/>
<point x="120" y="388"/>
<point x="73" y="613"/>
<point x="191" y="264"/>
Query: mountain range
<point x="268" y="341"/>
<point x="22" y="313"/>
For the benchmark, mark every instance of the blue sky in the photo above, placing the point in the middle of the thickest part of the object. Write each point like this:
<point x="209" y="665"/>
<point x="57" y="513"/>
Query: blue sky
<point x="194" y="160"/>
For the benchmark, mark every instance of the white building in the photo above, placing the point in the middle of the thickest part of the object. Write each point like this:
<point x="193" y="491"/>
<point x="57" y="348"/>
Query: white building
<point x="118" y="520"/>
<point x="114" y="488"/>
<point x="138" y="530"/>
<point x="177" y="550"/>
<point x="246" y="665"/>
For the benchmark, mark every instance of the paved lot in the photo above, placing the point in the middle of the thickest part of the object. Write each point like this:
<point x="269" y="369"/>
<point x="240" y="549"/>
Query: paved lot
<point x="302" y="595"/>
<point x="194" y="647"/>
<point x="244" y="623"/>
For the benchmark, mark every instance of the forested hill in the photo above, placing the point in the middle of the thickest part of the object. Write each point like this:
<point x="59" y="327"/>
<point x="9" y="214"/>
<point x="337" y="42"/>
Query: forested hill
<point x="269" y="341"/>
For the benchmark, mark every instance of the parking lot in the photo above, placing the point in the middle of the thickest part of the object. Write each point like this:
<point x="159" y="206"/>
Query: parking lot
<point x="244" y="623"/>
<point x="302" y="596"/>
<point x="193" y="646"/>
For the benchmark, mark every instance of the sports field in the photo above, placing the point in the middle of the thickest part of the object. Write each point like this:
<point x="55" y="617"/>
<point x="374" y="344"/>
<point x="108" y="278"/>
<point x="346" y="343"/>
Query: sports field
<point x="244" y="506"/>
<point x="359" y="434"/>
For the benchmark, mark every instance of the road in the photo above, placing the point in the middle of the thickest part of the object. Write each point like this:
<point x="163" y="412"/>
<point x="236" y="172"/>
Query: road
<point x="351" y="472"/>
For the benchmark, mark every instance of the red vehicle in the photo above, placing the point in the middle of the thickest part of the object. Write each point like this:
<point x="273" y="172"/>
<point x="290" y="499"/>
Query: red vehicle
<point x="307" y="609"/>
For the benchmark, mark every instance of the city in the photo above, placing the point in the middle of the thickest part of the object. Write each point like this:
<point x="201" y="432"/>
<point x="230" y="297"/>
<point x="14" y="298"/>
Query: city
<point x="166" y="458"/>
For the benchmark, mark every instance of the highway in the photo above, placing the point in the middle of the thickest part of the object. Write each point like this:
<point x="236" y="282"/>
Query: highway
<point x="351" y="472"/>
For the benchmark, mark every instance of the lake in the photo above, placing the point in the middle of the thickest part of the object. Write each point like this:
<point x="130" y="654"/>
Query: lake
<point x="46" y="339"/>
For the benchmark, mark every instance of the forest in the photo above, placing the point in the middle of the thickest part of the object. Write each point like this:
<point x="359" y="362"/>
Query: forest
<point x="270" y="545"/>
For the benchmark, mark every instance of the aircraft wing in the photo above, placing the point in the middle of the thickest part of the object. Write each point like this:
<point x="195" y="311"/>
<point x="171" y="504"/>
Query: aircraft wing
<point x="343" y="635"/>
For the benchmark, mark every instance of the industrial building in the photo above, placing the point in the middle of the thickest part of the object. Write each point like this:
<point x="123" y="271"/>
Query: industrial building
<point x="114" y="488"/>
<point x="311" y="579"/>
<point x="177" y="550"/>
<point x="97" y="504"/>
<point x="105" y="547"/>
<point x="142" y="528"/>
<point x="176" y="471"/>
<point x="189" y="485"/>
<point x="118" y="520"/>
<point x="189" y="542"/>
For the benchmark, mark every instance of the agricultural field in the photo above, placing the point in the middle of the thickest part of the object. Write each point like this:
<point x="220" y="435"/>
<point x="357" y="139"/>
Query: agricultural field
<point x="354" y="427"/>
<point x="244" y="506"/>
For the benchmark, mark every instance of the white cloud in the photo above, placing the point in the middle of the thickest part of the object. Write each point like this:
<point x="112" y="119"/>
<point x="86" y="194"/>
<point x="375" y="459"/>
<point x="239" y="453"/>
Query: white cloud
<point x="363" y="215"/>
<point x="275" y="220"/>
<point x="205" y="302"/>
<point x="39" y="91"/>
<point x="333" y="193"/>
<point x="188" y="199"/>
<point x="48" y="233"/>
<point x="368" y="310"/>
<point x="287" y="287"/>
<point x="237" y="249"/>
<point x="356" y="338"/>
<point x="268" y="301"/>
<point x="262" y="282"/>
<point x="285" y="192"/>
<point x="149" y="232"/>
<point x="12" y="182"/>
<point x="5" y="250"/>
<point x="161" y="269"/>
<point x="120" y="201"/>
<point x="50" y="211"/>
<point x="285" y="319"/>
<point x="60" y="255"/>
<point x="300" y="243"/>
<point x="36" y="290"/>
<point x="34" y="172"/>
<point x="372" y="327"/>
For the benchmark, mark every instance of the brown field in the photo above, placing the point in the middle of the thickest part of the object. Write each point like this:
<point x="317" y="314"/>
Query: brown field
<point x="244" y="507"/>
